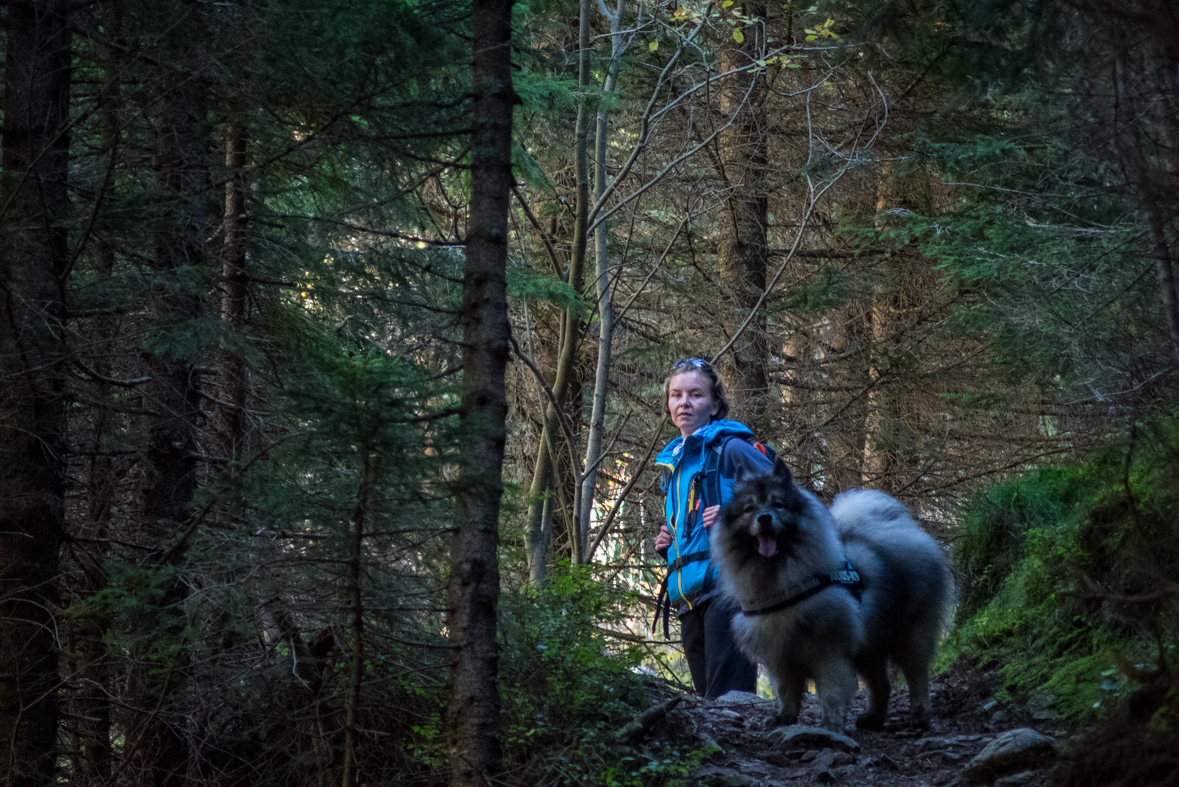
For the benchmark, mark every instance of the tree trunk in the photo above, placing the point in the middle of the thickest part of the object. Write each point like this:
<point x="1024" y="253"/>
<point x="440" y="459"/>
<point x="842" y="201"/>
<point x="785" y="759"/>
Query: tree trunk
<point x="33" y="266"/>
<point x="744" y="246"/>
<point x="356" y="667"/>
<point x="551" y="436"/>
<point x="182" y="158"/>
<point x="597" y="427"/>
<point x="472" y="717"/>
<point x="235" y="387"/>
<point x="92" y="743"/>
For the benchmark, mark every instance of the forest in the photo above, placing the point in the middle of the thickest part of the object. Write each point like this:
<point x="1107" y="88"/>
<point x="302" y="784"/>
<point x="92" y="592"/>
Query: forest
<point x="333" y="332"/>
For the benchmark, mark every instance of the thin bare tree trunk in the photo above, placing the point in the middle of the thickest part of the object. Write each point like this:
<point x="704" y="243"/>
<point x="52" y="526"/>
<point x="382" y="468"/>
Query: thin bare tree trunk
<point x="542" y="475"/>
<point x="473" y="711"/>
<point x="356" y="667"/>
<point x="33" y="267"/>
<point x="597" y="427"/>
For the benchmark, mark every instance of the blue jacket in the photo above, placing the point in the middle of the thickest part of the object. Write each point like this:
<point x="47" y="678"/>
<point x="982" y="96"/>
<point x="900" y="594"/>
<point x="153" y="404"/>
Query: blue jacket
<point x="692" y="578"/>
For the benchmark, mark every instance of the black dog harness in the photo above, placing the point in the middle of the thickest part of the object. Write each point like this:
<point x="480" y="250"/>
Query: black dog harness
<point x="846" y="577"/>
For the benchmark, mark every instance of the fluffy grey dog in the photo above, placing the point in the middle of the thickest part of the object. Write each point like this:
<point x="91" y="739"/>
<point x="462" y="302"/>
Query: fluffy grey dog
<point x="824" y="594"/>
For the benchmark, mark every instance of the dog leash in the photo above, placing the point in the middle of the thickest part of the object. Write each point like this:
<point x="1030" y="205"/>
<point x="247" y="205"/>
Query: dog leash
<point x="663" y="598"/>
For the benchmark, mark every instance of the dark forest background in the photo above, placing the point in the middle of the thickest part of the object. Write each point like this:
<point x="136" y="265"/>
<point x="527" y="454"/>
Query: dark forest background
<point x="291" y="420"/>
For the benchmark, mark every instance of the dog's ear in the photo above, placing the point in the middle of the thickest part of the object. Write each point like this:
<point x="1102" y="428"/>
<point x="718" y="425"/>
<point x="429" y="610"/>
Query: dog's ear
<point x="781" y="471"/>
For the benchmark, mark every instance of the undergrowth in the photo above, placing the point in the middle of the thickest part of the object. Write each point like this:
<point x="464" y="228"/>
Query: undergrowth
<point x="1067" y="570"/>
<point x="567" y="688"/>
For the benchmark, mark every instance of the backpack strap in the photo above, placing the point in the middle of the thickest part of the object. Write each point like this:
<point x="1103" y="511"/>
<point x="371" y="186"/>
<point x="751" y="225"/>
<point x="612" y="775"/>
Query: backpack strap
<point x="710" y="486"/>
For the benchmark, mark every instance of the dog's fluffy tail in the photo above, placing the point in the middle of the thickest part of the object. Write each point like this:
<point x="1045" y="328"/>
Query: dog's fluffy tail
<point x="871" y="512"/>
<point x="874" y="517"/>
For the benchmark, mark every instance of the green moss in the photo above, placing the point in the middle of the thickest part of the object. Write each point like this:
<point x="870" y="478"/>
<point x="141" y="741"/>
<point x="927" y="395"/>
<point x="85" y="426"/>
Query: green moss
<point x="1041" y="556"/>
<point x="1077" y="687"/>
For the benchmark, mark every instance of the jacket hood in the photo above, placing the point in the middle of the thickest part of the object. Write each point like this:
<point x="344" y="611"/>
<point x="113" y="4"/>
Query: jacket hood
<point x="669" y="457"/>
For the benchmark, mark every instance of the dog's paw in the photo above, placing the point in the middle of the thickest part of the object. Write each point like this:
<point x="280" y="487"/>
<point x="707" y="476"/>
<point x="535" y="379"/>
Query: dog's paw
<point x="780" y="720"/>
<point x="919" y="720"/>
<point x="870" y="721"/>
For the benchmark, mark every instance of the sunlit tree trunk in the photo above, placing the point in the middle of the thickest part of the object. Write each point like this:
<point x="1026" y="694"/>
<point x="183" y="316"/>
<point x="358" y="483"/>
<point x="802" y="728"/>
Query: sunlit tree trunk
<point x="597" y="426"/>
<point x="551" y="436"/>
<point x="33" y="267"/>
<point x="473" y="711"/>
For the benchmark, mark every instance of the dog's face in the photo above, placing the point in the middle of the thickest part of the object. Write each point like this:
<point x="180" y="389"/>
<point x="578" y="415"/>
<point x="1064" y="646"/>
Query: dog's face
<point x="766" y="516"/>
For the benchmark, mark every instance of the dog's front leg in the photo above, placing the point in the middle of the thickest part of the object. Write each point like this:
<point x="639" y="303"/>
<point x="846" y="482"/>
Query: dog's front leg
<point x="836" y="684"/>
<point x="788" y="685"/>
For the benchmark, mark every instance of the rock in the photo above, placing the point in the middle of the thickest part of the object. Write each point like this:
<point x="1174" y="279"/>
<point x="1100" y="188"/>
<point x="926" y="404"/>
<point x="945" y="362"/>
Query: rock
<point x="714" y="776"/>
<point x="731" y="716"/>
<point x="800" y="736"/>
<point x="884" y="761"/>
<point x="927" y="744"/>
<point x="709" y="744"/>
<point x="826" y="777"/>
<point x="808" y="756"/>
<point x="829" y="759"/>
<point x="1018" y="779"/>
<point x="1039" y="702"/>
<point x="999" y="717"/>
<point x="755" y="768"/>
<point x="742" y="698"/>
<point x="991" y="706"/>
<point x="1011" y="752"/>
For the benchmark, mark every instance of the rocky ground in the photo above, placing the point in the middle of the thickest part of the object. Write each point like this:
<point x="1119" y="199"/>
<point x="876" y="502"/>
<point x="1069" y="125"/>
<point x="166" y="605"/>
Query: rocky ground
<point x="972" y="741"/>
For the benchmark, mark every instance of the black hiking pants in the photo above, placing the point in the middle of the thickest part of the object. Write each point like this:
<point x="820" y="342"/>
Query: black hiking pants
<point x="717" y="666"/>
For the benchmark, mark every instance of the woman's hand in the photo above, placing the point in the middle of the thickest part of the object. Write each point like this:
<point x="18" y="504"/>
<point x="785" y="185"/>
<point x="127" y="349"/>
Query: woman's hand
<point x="663" y="540"/>
<point x="709" y="515"/>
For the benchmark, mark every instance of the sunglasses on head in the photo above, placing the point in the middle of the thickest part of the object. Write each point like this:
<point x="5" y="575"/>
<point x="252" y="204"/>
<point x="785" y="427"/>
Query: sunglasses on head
<point x="693" y="363"/>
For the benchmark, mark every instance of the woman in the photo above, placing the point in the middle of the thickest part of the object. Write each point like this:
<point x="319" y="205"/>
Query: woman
<point x="695" y="400"/>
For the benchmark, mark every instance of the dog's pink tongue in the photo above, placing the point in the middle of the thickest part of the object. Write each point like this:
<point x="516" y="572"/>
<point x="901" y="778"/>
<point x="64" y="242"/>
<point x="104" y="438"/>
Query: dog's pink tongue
<point x="768" y="547"/>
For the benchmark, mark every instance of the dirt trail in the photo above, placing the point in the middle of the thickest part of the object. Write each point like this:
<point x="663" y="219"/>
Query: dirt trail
<point x="749" y="755"/>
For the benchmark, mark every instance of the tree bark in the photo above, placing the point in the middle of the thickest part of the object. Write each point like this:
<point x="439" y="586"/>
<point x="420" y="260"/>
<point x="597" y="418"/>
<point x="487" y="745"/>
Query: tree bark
<point x="33" y="266"/>
<point x="551" y="438"/>
<point x="356" y="667"/>
<point x="597" y="426"/>
<point x="1164" y="273"/>
<point x="235" y="300"/>
<point x="744" y="240"/>
<point x="472" y="717"/>
<point x="182" y="158"/>
<point x="92" y="742"/>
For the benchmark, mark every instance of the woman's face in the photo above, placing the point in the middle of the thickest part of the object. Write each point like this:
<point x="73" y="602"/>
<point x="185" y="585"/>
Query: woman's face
<point x="689" y="401"/>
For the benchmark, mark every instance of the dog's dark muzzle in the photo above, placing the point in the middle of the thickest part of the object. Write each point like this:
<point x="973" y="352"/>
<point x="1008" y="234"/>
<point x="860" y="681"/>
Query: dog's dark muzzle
<point x="766" y="527"/>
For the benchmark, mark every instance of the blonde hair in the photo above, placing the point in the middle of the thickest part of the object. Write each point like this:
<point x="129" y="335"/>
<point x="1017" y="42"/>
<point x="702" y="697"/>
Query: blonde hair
<point x="716" y="384"/>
